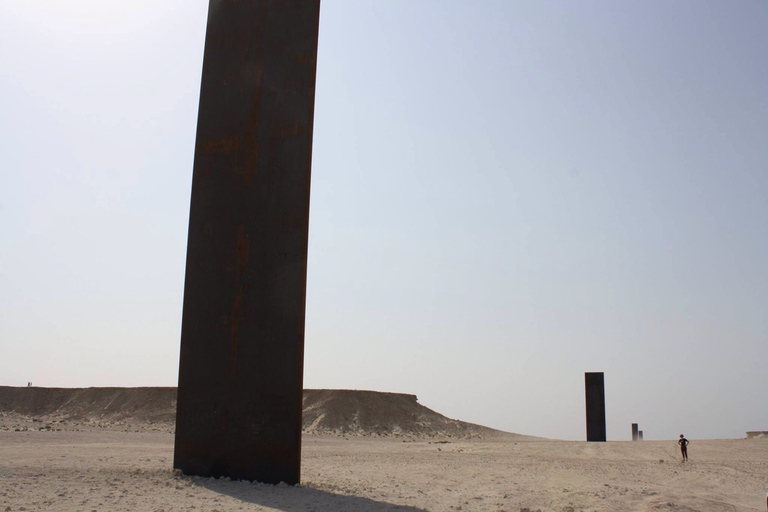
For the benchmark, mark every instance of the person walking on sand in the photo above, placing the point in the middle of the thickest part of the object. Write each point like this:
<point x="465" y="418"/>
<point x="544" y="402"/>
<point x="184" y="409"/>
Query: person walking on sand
<point x="683" y="442"/>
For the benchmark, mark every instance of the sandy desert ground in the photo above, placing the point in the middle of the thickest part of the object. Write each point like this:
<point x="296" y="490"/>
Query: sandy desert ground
<point x="107" y="470"/>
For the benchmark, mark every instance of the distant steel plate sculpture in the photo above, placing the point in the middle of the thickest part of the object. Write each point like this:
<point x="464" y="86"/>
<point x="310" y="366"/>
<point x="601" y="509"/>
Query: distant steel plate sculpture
<point x="242" y="336"/>
<point x="594" y="385"/>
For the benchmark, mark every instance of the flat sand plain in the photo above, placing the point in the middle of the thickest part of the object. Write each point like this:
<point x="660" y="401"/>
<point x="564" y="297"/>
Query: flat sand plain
<point x="105" y="470"/>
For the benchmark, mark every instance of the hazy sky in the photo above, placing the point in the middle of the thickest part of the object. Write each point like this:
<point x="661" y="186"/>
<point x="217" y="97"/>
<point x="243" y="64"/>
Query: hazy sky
<point x="505" y="194"/>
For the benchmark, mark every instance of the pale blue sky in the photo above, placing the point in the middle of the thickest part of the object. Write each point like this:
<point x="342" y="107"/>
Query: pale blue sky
<point x="505" y="194"/>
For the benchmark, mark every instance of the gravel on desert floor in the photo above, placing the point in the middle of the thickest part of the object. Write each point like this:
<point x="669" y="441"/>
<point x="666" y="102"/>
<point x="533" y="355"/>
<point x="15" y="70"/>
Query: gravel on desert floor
<point x="116" y="471"/>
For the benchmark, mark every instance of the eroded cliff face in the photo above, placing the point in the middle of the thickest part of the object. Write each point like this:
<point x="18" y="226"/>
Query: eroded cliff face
<point x="141" y="404"/>
<point x="362" y="413"/>
<point x="325" y="411"/>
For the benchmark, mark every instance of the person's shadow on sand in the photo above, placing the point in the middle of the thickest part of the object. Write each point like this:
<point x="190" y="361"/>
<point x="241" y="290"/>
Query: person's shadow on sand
<point x="289" y="498"/>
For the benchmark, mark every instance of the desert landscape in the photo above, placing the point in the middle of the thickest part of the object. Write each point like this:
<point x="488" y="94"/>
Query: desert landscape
<point x="111" y="449"/>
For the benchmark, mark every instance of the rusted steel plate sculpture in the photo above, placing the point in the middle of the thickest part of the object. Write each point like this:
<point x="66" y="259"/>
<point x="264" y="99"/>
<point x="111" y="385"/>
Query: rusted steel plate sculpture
<point x="242" y="336"/>
<point x="594" y="384"/>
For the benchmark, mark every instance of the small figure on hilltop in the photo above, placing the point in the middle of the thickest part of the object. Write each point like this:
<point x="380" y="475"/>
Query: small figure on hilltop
<point x="683" y="442"/>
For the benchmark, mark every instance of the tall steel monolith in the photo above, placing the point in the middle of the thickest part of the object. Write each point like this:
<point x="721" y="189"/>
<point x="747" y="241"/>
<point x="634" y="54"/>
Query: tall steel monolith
<point x="594" y="384"/>
<point x="242" y="333"/>
<point x="635" y="431"/>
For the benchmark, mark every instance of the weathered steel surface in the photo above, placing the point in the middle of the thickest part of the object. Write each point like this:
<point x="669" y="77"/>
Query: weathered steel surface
<point x="242" y="337"/>
<point x="635" y="432"/>
<point x="594" y="384"/>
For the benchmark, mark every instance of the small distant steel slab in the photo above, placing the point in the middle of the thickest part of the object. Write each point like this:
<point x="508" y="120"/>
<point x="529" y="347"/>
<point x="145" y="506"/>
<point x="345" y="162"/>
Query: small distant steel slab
<point x="242" y="336"/>
<point x="594" y="383"/>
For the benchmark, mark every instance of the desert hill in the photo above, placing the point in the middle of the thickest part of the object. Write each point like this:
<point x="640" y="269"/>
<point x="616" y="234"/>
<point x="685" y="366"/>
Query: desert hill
<point x="326" y="411"/>
<point x="353" y="412"/>
<point x="84" y="404"/>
